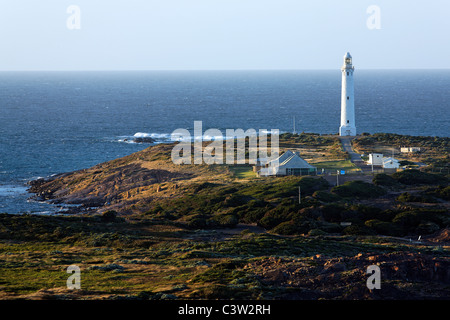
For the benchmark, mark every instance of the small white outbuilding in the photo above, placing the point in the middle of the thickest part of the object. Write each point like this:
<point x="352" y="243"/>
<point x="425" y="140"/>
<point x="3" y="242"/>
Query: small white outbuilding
<point x="390" y="163"/>
<point x="409" y="149"/>
<point x="376" y="159"/>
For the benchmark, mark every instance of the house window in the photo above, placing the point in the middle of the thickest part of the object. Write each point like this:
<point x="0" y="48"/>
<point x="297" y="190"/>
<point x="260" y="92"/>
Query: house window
<point x="348" y="73"/>
<point x="348" y="121"/>
<point x="348" y="98"/>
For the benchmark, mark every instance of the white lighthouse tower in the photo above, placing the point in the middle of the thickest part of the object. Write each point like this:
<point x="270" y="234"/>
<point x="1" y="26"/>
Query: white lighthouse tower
<point x="347" y="127"/>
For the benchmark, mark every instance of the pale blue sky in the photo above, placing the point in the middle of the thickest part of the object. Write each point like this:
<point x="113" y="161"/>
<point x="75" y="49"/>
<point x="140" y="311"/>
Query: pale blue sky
<point x="223" y="34"/>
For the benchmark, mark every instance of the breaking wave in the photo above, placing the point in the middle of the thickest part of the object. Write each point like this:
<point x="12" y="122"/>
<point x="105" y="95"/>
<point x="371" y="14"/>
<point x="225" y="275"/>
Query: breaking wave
<point x="168" y="137"/>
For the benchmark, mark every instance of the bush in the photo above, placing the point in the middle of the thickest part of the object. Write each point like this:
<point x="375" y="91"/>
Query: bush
<point x="325" y="196"/>
<point x="269" y="222"/>
<point x="225" y="220"/>
<point x="295" y="226"/>
<point x="197" y="221"/>
<point x="444" y="193"/>
<point x="204" y="185"/>
<point x="358" y="230"/>
<point x="411" y="177"/>
<point x="333" y="212"/>
<point x="407" y="219"/>
<point x="407" y="197"/>
<point x="386" y="228"/>
<point x="427" y="228"/>
<point x="286" y="228"/>
<point x="440" y="192"/>
<point x="382" y="179"/>
<point x="109" y="216"/>
<point x="365" y="212"/>
<point x="316" y="232"/>
<point x="252" y="215"/>
<point x="411" y="220"/>
<point x="358" y="189"/>
<point x="284" y="187"/>
<point x="329" y="227"/>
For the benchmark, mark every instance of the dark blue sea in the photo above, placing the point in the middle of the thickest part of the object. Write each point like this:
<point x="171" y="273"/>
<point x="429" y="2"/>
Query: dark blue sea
<point x="53" y="122"/>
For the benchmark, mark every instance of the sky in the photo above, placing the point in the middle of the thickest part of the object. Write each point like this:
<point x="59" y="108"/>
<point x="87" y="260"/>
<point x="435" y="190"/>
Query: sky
<point x="223" y="34"/>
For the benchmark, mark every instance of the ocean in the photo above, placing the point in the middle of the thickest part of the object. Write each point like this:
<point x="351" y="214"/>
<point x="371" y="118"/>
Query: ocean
<point x="53" y="122"/>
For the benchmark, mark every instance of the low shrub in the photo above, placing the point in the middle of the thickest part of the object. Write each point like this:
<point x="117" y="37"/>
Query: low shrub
<point x="286" y="228"/>
<point x="385" y="228"/>
<point x="382" y="179"/>
<point x="411" y="177"/>
<point x="316" y="232"/>
<point x="358" y="189"/>
<point x="442" y="192"/>
<point x="333" y="212"/>
<point x="109" y="216"/>
<point x="325" y="196"/>
<point x="427" y="228"/>
<point x="197" y="221"/>
<point x="408" y="197"/>
<point x="225" y="220"/>
<point x="358" y="230"/>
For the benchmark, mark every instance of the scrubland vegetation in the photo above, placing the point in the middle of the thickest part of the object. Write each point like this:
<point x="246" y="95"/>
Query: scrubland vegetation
<point x="162" y="231"/>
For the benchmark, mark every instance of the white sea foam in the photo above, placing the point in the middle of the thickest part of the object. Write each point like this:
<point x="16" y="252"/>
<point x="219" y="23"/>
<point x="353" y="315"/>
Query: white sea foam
<point x="142" y="135"/>
<point x="152" y="135"/>
<point x="167" y="137"/>
<point x="158" y="137"/>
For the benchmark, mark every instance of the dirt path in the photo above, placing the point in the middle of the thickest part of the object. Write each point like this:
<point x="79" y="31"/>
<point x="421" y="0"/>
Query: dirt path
<point x="355" y="158"/>
<point x="347" y="146"/>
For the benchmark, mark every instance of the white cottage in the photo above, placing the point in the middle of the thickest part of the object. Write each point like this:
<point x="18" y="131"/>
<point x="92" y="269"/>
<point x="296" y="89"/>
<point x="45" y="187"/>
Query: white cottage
<point x="288" y="164"/>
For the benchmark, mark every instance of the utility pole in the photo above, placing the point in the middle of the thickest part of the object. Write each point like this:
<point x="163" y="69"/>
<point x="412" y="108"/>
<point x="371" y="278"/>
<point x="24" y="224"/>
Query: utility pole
<point x="299" y="195"/>
<point x="337" y="178"/>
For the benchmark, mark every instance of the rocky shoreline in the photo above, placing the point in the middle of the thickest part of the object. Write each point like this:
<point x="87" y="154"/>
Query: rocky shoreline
<point x="140" y="140"/>
<point x="149" y="218"/>
<point x="113" y="184"/>
<point x="42" y="194"/>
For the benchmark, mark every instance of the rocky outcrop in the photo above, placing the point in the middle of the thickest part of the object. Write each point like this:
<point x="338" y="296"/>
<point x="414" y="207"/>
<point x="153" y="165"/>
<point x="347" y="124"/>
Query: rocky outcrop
<point x="403" y="276"/>
<point x="141" y="140"/>
<point x="93" y="188"/>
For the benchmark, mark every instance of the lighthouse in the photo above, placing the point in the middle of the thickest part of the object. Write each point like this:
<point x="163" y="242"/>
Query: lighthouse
<point x="347" y="127"/>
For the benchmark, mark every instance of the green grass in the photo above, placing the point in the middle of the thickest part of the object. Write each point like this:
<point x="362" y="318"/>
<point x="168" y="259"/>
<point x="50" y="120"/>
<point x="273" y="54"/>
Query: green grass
<point x="28" y="280"/>
<point x="26" y="268"/>
<point x="337" y="165"/>
<point x="243" y="172"/>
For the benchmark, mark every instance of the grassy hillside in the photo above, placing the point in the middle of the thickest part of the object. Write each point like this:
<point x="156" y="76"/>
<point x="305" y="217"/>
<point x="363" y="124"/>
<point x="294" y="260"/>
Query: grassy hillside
<point x="146" y="229"/>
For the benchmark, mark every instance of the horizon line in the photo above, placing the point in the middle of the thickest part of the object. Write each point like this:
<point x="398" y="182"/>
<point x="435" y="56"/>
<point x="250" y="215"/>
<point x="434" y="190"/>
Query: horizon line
<point x="200" y="70"/>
